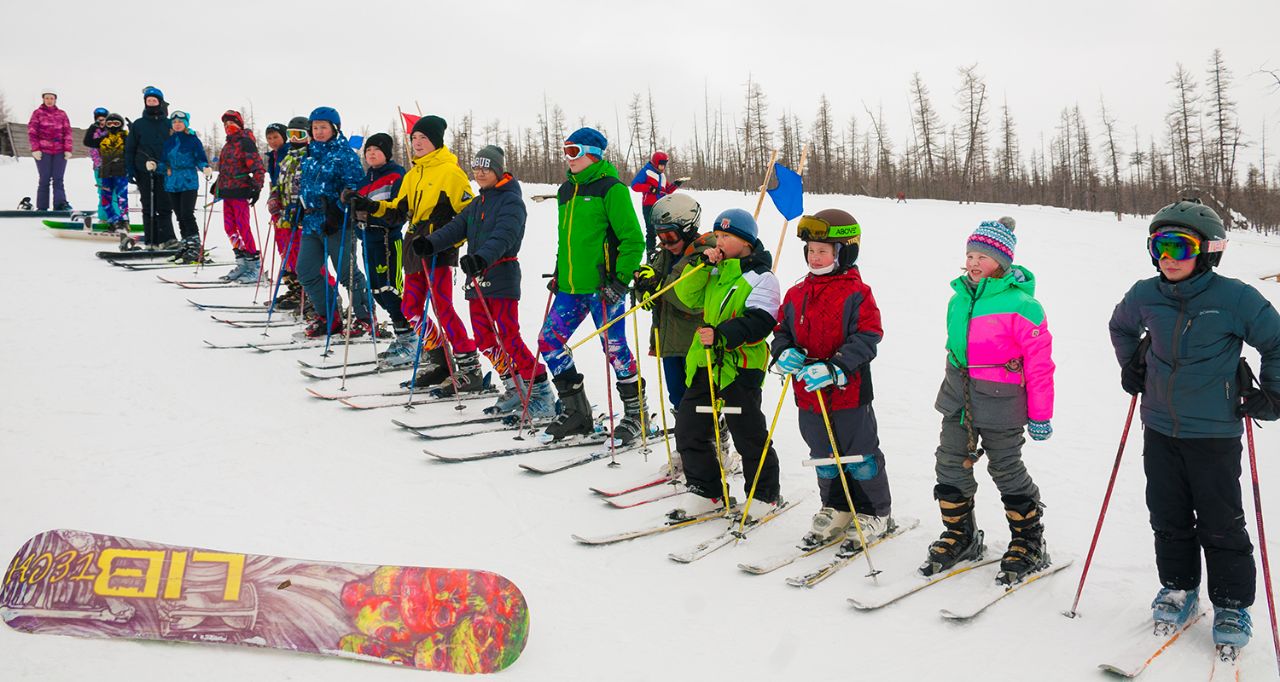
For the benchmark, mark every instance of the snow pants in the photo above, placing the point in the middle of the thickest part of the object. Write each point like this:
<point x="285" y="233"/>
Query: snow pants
<point x="97" y="185"/>
<point x="382" y="254"/>
<point x="414" y="307"/>
<point x="1003" y="455"/>
<point x="1193" y="495"/>
<point x="235" y="220"/>
<point x="113" y="199"/>
<point x="184" y="207"/>
<point x="673" y="377"/>
<point x="312" y="268"/>
<point x="695" y="435"/>
<point x="856" y="434"/>
<point x="567" y="313"/>
<point x="157" y="219"/>
<point x="51" y="168"/>
<point x="507" y="350"/>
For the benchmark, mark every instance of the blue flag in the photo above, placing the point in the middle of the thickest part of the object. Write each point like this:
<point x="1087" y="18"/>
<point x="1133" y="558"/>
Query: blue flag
<point x="357" y="142"/>
<point x="787" y="192"/>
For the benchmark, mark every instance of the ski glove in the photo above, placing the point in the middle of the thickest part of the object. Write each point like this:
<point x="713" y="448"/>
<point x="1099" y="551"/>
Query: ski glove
<point x="646" y="283"/>
<point x="423" y="247"/>
<point x="473" y="265"/>
<point x="1261" y="404"/>
<point x="1133" y="375"/>
<point x="208" y="172"/>
<point x="151" y="166"/>
<point x="1039" y="430"/>
<point x="790" y="361"/>
<point x="37" y="154"/>
<point x="552" y="283"/>
<point x="820" y="375"/>
<point x="66" y="155"/>
<point x="613" y="292"/>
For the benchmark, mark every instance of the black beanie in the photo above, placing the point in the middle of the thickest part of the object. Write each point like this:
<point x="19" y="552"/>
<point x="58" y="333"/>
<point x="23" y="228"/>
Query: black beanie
<point x="381" y="141"/>
<point x="433" y="127"/>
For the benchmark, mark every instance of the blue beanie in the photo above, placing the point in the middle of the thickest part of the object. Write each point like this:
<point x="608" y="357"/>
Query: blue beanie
<point x="326" y="114"/>
<point x="590" y="137"/>
<point x="995" y="238"/>
<point x="738" y="223"/>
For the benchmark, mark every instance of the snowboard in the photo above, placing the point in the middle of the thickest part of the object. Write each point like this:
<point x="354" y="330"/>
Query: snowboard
<point x="70" y="582"/>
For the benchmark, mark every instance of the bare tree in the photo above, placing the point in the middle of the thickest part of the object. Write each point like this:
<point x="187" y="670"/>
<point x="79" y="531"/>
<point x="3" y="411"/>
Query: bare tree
<point x="1184" y="122"/>
<point x="927" y="123"/>
<point x="972" y="103"/>
<point x="1113" y="157"/>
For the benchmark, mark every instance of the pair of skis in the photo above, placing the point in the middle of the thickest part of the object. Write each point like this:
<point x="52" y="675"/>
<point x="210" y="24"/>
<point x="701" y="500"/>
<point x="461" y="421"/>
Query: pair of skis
<point x="1147" y="642"/>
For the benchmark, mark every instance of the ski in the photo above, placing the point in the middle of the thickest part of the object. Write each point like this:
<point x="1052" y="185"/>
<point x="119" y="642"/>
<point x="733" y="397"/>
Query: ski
<point x="212" y="283"/>
<point x="421" y="397"/>
<point x="647" y="495"/>
<point x="974" y="604"/>
<point x="1145" y="643"/>
<point x="665" y="527"/>
<point x="509" y="423"/>
<point x="140" y="254"/>
<point x="892" y="593"/>
<point x="340" y="396"/>
<point x="730" y="535"/>
<point x="604" y="452"/>
<point x="330" y="366"/>
<point x="770" y="564"/>
<point x="574" y="442"/>
<point x="235" y="308"/>
<point x="368" y="371"/>
<point x="167" y="265"/>
<point x="487" y="419"/>
<point x="650" y="481"/>
<point x="256" y="323"/>
<point x="334" y="343"/>
<point x="1226" y="664"/>
<point x="841" y="560"/>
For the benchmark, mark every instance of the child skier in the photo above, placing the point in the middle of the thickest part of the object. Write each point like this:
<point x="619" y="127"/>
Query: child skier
<point x="97" y="131"/>
<point x="599" y="246"/>
<point x="651" y="183"/>
<point x="113" y="174"/>
<point x="493" y="227"/>
<point x="240" y="175"/>
<point x="285" y="208"/>
<point x="739" y="297"/>
<point x="827" y="335"/>
<point x="276" y="149"/>
<point x="431" y="194"/>
<point x="382" y="240"/>
<point x="999" y="380"/>
<point x="1195" y="322"/>
<point x="184" y="157"/>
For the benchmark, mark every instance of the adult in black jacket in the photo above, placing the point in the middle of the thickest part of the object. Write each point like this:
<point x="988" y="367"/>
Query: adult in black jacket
<point x="143" y="152"/>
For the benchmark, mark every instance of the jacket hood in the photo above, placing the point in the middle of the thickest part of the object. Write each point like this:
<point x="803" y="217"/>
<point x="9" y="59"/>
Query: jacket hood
<point x="507" y="185"/>
<point x="441" y="155"/>
<point x="1018" y="277"/>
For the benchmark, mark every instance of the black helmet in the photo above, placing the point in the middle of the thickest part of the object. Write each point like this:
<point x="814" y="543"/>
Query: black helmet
<point x="1190" y="214"/>
<point x="833" y="226"/>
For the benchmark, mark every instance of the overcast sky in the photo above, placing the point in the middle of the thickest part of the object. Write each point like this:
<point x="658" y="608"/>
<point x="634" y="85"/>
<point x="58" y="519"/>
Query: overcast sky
<point x="497" y="58"/>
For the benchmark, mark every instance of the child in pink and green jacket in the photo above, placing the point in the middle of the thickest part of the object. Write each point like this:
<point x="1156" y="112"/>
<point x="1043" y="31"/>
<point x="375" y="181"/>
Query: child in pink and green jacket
<point x="998" y="382"/>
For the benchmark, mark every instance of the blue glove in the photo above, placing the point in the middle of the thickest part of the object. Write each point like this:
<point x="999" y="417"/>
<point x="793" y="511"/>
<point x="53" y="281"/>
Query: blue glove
<point x="1039" y="430"/>
<point x="820" y="375"/>
<point x="790" y="361"/>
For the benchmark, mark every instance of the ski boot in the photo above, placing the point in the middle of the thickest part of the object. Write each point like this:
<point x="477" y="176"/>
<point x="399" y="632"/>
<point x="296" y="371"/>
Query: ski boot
<point x="359" y="327"/>
<point x="759" y="509"/>
<point x="25" y="204"/>
<point x="873" y="528"/>
<point x="127" y="242"/>
<point x="317" y="328"/>
<point x="512" y="399"/>
<point x="829" y="525"/>
<point x="961" y="541"/>
<point x="575" y="420"/>
<point x="433" y="372"/>
<point x="1172" y="608"/>
<point x="249" y="270"/>
<point x="1027" y="552"/>
<point x="189" y="252"/>
<point x="542" y="402"/>
<point x="629" y="429"/>
<point x="62" y="206"/>
<point x="291" y="298"/>
<point x="234" y="274"/>
<point x="1231" y="627"/>
<point x="467" y="374"/>
<point x="401" y="351"/>
<point x="692" y="504"/>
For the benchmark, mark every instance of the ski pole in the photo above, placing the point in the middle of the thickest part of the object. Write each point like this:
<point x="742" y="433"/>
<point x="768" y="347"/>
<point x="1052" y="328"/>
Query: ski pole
<point x="258" y="227"/>
<point x="444" y="331"/>
<point x="644" y="405"/>
<point x="844" y="483"/>
<point x="351" y="311"/>
<point x="333" y="297"/>
<point x="284" y="262"/>
<point x="476" y="282"/>
<point x="715" y="426"/>
<point x="601" y="329"/>
<point x="1102" y="514"/>
<point x="662" y="401"/>
<point x="205" y="232"/>
<point x="608" y="383"/>
<point x="760" y="467"/>
<point x="524" y="414"/>
<point x="363" y="231"/>
<point x="1247" y="381"/>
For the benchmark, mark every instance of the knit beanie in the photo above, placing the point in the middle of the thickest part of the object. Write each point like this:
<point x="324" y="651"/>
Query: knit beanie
<point x="382" y="141"/>
<point x="995" y="238"/>
<point x="492" y="157"/>
<point x="433" y="127"/>
<point x="589" y="137"/>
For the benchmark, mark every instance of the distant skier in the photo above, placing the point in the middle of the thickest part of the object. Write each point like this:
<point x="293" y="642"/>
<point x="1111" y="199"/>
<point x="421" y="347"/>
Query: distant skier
<point x="49" y="132"/>
<point x="651" y="183"/>
<point x="183" y="161"/>
<point x="1196" y="322"/>
<point x="97" y="131"/>
<point x="827" y="336"/>
<point x="145" y="147"/>
<point x="999" y="380"/>
<point x="240" y="178"/>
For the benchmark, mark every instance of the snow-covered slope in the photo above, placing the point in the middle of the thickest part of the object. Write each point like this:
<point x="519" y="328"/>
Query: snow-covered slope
<point x="115" y="417"/>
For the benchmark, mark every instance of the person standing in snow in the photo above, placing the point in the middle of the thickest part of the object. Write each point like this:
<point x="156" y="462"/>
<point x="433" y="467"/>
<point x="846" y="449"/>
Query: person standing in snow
<point x="240" y="177"/>
<point x="49" y="132"/>
<point x="382" y="238"/>
<point x="285" y="208"/>
<point x="999" y="381"/>
<point x="143" y="151"/>
<point x="183" y="161"/>
<point x="827" y="335"/>
<point x="1187" y="368"/>
<point x="493" y="227"/>
<point x="113" y="174"/>
<point x="97" y="131"/>
<point x="599" y="246"/>
<point x="651" y="183"/>
<point x="276" y="149"/>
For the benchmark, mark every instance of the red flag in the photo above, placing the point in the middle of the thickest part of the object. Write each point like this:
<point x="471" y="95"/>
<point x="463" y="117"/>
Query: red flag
<point x="409" y="120"/>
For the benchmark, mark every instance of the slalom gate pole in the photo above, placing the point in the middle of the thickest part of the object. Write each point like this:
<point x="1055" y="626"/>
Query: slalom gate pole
<point x="844" y="483"/>
<point x="601" y="329"/>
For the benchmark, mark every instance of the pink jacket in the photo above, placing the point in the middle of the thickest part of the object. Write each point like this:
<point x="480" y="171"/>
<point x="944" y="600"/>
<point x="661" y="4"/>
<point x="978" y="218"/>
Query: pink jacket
<point x="49" y="130"/>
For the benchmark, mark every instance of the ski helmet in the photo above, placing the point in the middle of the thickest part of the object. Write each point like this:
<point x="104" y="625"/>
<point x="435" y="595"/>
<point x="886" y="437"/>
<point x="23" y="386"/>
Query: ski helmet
<point x="100" y="111"/>
<point x="114" y="117"/>
<point x="328" y="114"/>
<point x="659" y="157"/>
<point x="677" y="213"/>
<point x="1191" y="215"/>
<point x="738" y="223"/>
<point x="833" y="226"/>
<point x="299" y="131"/>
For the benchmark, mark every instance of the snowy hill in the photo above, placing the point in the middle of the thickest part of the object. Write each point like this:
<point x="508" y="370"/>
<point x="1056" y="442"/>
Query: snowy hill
<point x="116" y="418"/>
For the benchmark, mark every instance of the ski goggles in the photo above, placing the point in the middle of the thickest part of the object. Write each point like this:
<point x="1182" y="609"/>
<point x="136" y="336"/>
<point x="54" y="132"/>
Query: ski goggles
<point x="818" y="230"/>
<point x="670" y="235"/>
<point x="573" y="150"/>
<point x="1174" y="245"/>
<point x="112" y="123"/>
<point x="297" y="135"/>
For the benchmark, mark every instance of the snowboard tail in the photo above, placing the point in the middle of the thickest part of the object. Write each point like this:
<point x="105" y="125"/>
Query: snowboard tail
<point x="69" y="582"/>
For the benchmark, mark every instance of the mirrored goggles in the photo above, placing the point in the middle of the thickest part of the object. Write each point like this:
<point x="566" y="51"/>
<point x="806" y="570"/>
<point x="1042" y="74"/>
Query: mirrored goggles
<point x="816" y="229"/>
<point x="1175" y="245"/>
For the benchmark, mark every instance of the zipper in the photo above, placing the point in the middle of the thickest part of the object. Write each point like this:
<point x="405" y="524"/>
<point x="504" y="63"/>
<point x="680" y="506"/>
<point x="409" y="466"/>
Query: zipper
<point x="569" y="235"/>
<point x="1182" y="311"/>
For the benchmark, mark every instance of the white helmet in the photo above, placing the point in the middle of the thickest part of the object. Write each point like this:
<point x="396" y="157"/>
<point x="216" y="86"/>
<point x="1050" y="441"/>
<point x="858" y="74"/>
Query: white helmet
<point x="677" y="212"/>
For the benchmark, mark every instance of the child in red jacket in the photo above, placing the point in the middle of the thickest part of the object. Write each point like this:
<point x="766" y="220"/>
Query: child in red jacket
<point x="826" y="339"/>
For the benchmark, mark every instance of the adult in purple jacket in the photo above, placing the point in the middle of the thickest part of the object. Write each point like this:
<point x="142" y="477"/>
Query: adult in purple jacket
<point x="49" y="132"/>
